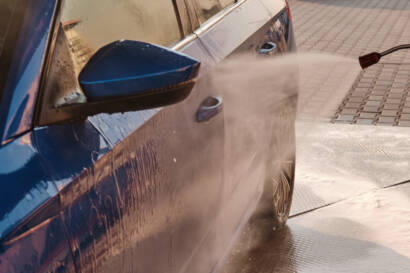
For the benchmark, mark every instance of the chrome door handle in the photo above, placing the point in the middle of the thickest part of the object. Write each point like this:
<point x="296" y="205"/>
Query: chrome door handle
<point x="268" y="48"/>
<point x="209" y="108"/>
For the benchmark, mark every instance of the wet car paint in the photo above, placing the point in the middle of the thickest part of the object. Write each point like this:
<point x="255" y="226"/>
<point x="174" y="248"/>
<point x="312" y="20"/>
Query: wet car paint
<point x="130" y="198"/>
<point x="22" y="84"/>
<point x="24" y="181"/>
<point x="154" y="203"/>
<point x="40" y="250"/>
<point x="69" y="149"/>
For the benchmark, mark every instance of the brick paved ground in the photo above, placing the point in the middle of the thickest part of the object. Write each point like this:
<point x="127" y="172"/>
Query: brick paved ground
<point x="380" y="95"/>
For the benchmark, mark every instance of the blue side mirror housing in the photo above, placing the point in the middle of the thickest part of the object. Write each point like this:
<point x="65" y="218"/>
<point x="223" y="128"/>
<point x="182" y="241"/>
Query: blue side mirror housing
<point x="131" y="68"/>
<point x="127" y="76"/>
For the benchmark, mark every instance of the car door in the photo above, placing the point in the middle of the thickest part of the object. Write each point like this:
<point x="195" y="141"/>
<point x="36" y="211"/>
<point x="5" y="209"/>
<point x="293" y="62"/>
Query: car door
<point x="252" y="27"/>
<point x="138" y="190"/>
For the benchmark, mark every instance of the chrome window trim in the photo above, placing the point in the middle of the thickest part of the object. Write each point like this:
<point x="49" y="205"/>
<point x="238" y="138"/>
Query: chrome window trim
<point x="218" y="17"/>
<point x="208" y="24"/>
<point x="181" y="44"/>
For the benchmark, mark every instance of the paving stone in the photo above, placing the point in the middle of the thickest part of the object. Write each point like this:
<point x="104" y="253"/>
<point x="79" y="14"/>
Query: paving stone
<point x="378" y="93"/>
<point x="397" y="101"/>
<point x="404" y="123"/>
<point x="405" y="117"/>
<point x="398" y="85"/>
<point x="397" y="90"/>
<point x="365" y="115"/>
<point x="356" y="99"/>
<point x="376" y="98"/>
<point x="381" y="88"/>
<point x="363" y="90"/>
<point x="364" y="85"/>
<point x="364" y="121"/>
<point x="384" y="123"/>
<point x="352" y="105"/>
<point x="389" y="113"/>
<point x="367" y="80"/>
<point x="371" y="109"/>
<point x="391" y="107"/>
<point x="395" y="96"/>
<point x="401" y="80"/>
<point x="382" y="82"/>
<point x="345" y="118"/>
<point x="349" y="111"/>
<point x="386" y="119"/>
<point x="373" y="103"/>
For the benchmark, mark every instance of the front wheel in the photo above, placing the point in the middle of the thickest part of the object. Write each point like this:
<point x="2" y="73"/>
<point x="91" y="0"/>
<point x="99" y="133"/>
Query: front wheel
<point x="282" y="191"/>
<point x="280" y="165"/>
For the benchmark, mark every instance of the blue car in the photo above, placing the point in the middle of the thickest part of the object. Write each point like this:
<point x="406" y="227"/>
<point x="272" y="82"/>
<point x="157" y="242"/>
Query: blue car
<point x="115" y="151"/>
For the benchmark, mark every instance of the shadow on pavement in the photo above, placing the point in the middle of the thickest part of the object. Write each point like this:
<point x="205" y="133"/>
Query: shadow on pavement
<point x="299" y="249"/>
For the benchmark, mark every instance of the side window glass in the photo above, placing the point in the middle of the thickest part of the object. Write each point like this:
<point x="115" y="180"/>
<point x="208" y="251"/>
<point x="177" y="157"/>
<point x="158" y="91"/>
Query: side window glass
<point x="205" y="9"/>
<point x="91" y="24"/>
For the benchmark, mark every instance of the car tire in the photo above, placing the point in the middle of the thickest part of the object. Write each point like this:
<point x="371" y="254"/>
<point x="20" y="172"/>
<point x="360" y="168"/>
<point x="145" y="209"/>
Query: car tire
<point x="280" y="166"/>
<point x="282" y="192"/>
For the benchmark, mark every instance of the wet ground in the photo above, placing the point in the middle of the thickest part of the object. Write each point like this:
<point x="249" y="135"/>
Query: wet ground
<point x="351" y="209"/>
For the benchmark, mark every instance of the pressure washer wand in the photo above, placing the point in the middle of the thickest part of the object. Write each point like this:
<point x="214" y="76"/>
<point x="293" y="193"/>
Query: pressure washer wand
<point x="374" y="57"/>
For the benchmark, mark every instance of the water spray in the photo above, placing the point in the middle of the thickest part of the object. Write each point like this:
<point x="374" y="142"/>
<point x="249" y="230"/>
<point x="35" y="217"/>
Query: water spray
<point x="374" y="57"/>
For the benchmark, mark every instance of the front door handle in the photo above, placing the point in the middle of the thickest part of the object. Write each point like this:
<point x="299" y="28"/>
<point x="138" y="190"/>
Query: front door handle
<point x="209" y="108"/>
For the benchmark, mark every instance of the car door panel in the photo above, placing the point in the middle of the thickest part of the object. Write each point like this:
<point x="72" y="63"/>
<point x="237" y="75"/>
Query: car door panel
<point x="169" y="177"/>
<point x="242" y="30"/>
<point x="91" y="213"/>
<point x="80" y="163"/>
<point x="138" y="190"/>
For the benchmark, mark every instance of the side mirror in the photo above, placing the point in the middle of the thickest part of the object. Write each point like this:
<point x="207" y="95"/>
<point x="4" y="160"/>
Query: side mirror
<point x="128" y="76"/>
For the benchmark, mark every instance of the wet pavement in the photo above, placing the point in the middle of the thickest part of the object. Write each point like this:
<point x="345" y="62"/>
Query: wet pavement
<point x="351" y="208"/>
<point x="366" y="233"/>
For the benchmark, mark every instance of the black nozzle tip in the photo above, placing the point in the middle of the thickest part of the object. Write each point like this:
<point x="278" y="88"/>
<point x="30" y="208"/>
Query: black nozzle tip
<point x="369" y="59"/>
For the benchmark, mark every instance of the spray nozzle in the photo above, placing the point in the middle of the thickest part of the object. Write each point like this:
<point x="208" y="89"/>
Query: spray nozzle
<point x="369" y="59"/>
<point x="374" y="57"/>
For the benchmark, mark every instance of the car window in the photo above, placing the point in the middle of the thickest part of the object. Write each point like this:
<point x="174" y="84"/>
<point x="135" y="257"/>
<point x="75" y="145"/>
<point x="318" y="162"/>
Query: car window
<point x="91" y="24"/>
<point x="207" y="8"/>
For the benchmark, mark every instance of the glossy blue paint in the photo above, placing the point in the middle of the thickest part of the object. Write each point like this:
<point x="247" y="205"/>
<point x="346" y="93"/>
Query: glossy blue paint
<point x="129" y="68"/>
<point x="24" y="182"/>
<point x="41" y="250"/>
<point x="21" y="89"/>
<point x="69" y="149"/>
<point x="118" y="126"/>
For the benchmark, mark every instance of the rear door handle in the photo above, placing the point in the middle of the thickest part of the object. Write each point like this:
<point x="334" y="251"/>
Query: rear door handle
<point x="209" y="108"/>
<point x="268" y="48"/>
